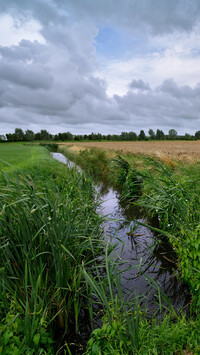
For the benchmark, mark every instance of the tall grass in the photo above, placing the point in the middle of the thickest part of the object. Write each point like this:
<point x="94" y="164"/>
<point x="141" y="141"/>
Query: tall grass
<point x="175" y="203"/>
<point x="48" y="229"/>
<point x="128" y="329"/>
<point x="95" y="163"/>
<point x="129" y="179"/>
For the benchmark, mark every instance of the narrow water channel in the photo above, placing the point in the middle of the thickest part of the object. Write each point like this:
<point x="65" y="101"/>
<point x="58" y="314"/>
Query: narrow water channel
<point x="138" y="245"/>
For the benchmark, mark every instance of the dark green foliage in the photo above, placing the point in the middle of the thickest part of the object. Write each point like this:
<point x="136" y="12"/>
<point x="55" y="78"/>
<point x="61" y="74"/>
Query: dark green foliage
<point x="141" y="135"/>
<point x="176" y="203"/>
<point x="160" y="134"/>
<point x="172" y="134"/>
<point x="152" y="134"/>
<point x="122" y="167"/>
<point x="12" y="337"/>
<point x="197" y="135"/>
<point x="52" y="147"/>
<point x="129" y="179"/>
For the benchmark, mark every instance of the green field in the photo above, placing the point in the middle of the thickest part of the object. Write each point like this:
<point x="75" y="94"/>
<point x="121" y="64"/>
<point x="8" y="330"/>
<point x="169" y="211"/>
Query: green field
<point x="55" y="265"/>
<point x="18" y="155"/>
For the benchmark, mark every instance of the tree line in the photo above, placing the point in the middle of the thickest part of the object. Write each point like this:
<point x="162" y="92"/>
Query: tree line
<point x="28" y="136"/>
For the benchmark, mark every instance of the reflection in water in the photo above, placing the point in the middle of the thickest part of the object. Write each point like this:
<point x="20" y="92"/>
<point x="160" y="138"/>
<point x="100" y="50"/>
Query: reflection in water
<point x="138" y="244"/>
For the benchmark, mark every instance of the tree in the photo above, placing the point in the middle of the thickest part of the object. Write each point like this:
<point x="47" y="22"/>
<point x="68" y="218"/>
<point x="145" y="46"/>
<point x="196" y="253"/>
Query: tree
<point x="132" y="136"/>
<point x="160" y="134"/>
<point x="152" y="134"/>
<point x="188" y="137"/>
<point x="45" y="135"/>
<point x="11" y="137"/>
<point x="142" y="136"/>
<point x="172" y="134"/>
<point x="29" y="135"/>
<point x="197" y="135"/>
<point x="124" y="136"/>
<point x="19" y="134"/>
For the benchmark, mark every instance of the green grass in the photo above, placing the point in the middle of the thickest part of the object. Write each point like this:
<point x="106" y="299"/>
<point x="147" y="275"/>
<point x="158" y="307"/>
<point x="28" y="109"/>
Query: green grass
<point x="19" y="155"/>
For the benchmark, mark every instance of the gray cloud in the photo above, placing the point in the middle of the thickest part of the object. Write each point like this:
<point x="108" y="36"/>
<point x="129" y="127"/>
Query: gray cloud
<point x="159" y="16"/>
<point x="139" y="84"/>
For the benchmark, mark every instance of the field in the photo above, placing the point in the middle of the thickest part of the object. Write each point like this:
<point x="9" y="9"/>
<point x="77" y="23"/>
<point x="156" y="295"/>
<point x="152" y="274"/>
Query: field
<point x="175" y="150"/>
<point x="18" y="155"/>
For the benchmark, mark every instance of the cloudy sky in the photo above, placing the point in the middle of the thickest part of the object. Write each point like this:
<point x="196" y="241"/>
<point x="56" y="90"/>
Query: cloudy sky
<point x="99" y="65"/>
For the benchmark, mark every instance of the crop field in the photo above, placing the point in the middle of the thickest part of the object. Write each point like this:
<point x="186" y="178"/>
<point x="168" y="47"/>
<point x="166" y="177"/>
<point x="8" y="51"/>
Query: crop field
<point x="178" y="150"/>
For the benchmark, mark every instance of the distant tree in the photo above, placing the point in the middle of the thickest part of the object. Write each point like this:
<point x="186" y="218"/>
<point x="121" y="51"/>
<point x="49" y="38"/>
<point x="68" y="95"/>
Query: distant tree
<point x="160" y="134"/>
<point x="152" y="134"/>
<point x="19" y="134"/>
<point x="188" y="137"/>
<point x="172" y="134"/>
<point x="29" y="135"/>
<point x="65" y="136"/>
<point x="132" y="136"/>
<point x="99" y="136"/>
<point x="37" y="136"/>
<point x="197" y="135"/>
<point x="124" y="136"/>
<point x="45" y="135"/>
<point x="11" y="137"/>
<point x="141" y="135"/>
<point x="115" y="137"/>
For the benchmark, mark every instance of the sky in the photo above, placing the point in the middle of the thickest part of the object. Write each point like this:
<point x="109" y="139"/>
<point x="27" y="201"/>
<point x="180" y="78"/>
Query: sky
<point x="100" y="65"/>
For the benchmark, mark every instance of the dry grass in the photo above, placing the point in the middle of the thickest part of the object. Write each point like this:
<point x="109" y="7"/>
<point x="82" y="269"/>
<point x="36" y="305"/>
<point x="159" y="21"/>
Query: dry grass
<point x="165" y="150"/>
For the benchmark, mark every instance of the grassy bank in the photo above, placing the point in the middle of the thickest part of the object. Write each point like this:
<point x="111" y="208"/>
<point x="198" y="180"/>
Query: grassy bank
<point x="55" y="269"/>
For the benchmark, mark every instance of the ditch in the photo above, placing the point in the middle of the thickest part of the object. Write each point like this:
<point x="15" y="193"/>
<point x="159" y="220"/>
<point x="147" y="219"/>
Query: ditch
<point x="138" y="245"/>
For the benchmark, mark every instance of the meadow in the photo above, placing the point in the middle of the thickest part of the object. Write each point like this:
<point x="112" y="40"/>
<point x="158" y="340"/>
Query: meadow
<point x="19" y="155"/>
<point x="56" y="271"/>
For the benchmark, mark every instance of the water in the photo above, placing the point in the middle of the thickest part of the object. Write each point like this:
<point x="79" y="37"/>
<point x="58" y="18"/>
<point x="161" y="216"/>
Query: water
<point x="138" y="245"/>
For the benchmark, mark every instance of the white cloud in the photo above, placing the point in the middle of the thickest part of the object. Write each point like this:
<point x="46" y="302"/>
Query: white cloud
<point x="11" y="33"/>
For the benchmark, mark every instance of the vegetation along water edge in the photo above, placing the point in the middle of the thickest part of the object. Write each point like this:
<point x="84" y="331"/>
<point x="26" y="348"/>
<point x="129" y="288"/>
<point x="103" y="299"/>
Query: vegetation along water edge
<point x="169" y="192"/>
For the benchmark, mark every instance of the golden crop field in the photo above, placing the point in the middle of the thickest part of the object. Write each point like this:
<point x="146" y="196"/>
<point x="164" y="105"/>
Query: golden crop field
<point x="176" y="150"/>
